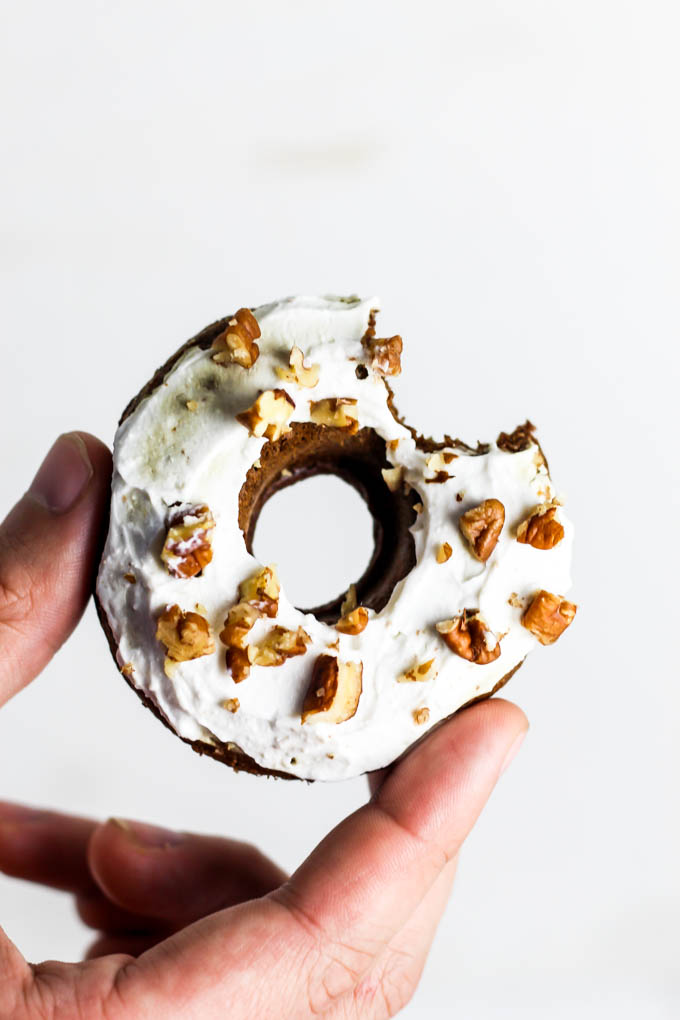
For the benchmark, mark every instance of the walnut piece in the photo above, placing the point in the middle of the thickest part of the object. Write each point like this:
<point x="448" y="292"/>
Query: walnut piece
<point x="280" y="644"/>
<point x="468" y="636"/>
<point x="188" y="543"/>
<point x="420" y="672"/>
<point x="421" y="715"/>
<point x="269" y="415"/>
<point x="236" y="345"/>
<point x="334" y="691"/>
<point x="541" y="530"/>
<point x="298" y="373"/>
<point x="444" y="552"/>
<point x="384" y="355"/>
<point x="353" y="622"/>
<point x="548" y="616"/>
<point x="481" y="526"/>
<point x="336" y="412"/>
<point x="262" y="591"/>
<point x="185" y="635"/>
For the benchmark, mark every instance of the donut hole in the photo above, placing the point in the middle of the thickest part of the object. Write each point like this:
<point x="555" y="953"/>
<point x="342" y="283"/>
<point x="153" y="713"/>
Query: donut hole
<point x="314" y="451"/>
<point x="319" y="532"/>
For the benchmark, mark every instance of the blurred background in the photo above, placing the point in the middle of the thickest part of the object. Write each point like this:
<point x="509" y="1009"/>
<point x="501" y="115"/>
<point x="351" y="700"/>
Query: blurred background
<point x="505" y="177"/>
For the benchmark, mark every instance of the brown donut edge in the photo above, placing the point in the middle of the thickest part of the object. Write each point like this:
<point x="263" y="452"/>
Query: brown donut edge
<point x="230" y="754"/>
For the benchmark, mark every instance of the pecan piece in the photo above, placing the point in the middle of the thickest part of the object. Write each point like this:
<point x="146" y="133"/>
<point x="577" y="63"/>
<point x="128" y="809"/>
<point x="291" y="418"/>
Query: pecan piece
<point x="188" y="543"/>
<point x="334" y="691"/>
<point x="238" y="624"/>
<point x="280" y="644"/>
<point x="444" y="552"/>
<point x="236" y="345"/>
<point x="520" y="439"/>
<point x="418" y="673"/>
<point x="336" y="412"/>
<point x="353" y="622"/>
<point x="481" y="526"/>
<point x="548" y="616"/>
<point x="238" y="663"/>
<point x="421" y="715"/>
<point x="262" y="590"/>
<point x="185" y="635"/>
<point x="466" y="635"/>
<point x="393" y="477"/>
<point x="384" y="355"/>
<point x="541" y="530"/>
<point x="269" y="415"/>
<point x="298" y="372"/>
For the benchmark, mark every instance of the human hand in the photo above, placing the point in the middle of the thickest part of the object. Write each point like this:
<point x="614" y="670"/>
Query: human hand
<point x="196" y="926"/>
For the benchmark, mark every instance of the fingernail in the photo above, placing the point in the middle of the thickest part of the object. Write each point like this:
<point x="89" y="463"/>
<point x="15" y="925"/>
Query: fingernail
<point x="148" y="837"/>
<point x="514" y="748"/>
<point x="63" y="474"/>
<point x="18" y="814"/>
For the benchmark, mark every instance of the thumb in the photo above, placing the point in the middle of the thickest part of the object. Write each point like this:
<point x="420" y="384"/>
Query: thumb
<point x="48" y="549"/>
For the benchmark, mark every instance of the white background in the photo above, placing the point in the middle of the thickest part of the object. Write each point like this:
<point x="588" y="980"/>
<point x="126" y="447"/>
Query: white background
<point x="505" y="177"/>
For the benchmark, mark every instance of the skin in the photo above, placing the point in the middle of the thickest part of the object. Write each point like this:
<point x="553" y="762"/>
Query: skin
<point x="202" y="926"/>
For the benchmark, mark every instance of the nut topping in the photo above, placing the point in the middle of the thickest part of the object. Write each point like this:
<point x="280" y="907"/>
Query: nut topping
<point x="269" y="415"/>
<point x="231" y="704"/>
<point x="541" y="530"/>
<point x="421" y="715"/>
<point x="185" y="635"/>
<point x="520" y="439"/>
<point x="420" y="672"/>
<point x="384" y="355"/>
<point x="350" y="600"/>
<point x="468" y="636"/>
<point x="237" y="344"/>
<point x="238" y="663"/>
<point x="280" y="644"/>
<point x="298" y="372"/>
<point x="548" y="616"/>
<point x="444" y="552"/>
<point x="482" y="526"/>
<point x="440" y="460"/>
<point x="336" y="412"/>
<point x="353" y="622"/>
<point x="238" y="624"/>
<point x="334" y="691"/>
<point x="262" y="590"/>
<point x="188" y="543"/>
<point x="393" y="477"/>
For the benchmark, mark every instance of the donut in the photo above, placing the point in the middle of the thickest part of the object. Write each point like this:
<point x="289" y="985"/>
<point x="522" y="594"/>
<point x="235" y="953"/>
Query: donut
<point x="468" y="574"/>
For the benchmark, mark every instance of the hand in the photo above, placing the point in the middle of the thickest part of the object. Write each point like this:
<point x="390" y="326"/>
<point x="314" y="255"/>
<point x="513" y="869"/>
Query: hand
<point x="201" y="927"/>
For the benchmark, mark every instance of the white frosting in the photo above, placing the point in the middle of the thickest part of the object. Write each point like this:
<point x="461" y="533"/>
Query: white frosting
<point x="166" y="453"/>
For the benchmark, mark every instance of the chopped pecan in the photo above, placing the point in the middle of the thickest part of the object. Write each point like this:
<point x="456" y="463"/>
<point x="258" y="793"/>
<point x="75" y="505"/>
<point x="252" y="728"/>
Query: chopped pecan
<point x="541" y="530"/>
<point x="418" y="673"/>
<point x="269" y="415"/>
<point x="481" y="526"/>
<point x="440" y="461"/>
<point x="298" y="372"/>
<point x="262" y="591"/>
<point x="468" y="636"/>
<point x="353" y="622"/>
<point x="280" y="644"/>
<point x="384" y="355"/>
<point x="336" y="412"/>
<point x="185" y="635"/>
<point x="231" y="704"/>
<point x="520" y="439"/>
<point x="350" y="600"/>
<point x="421" y="715"/>
<point x="393" y="477"/>
<point x="238" y="663"/>
<point x="548" y="616"/>
<point x="236" y="345"/>
<point x="444" y="552"/>
<point x="334" y="691"/>
<point x="238" y="624"/>
<point x="188" y="543"/>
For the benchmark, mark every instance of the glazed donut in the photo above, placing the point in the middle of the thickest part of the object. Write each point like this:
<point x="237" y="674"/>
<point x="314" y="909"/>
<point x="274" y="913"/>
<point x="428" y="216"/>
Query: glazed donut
<point x="471" y="560"/>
